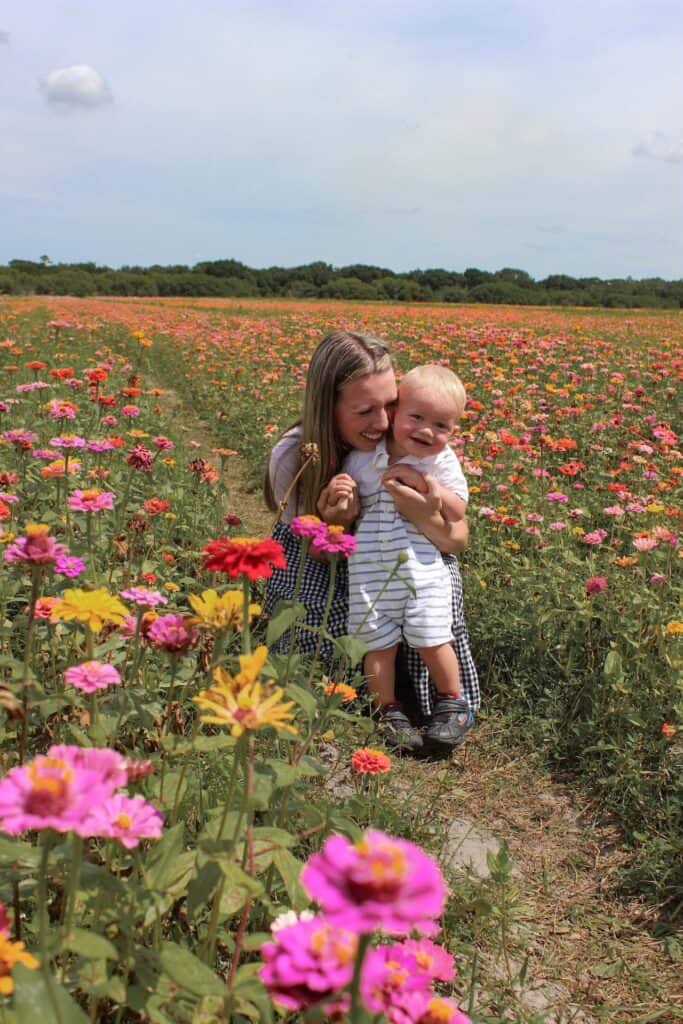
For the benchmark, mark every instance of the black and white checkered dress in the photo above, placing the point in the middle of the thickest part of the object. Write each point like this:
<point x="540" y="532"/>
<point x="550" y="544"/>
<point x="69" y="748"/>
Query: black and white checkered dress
<point x="413" y="686"/>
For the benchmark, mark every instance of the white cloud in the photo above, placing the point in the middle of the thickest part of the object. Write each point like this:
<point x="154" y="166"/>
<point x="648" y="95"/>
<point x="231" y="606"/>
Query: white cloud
<point x="660" y="146"/>
<point x="76" y="86"/>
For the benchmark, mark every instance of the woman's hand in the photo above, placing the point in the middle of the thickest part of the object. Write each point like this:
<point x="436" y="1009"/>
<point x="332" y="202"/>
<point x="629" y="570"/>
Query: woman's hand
<point x="338" y="501"/>
<point x="407" y="475"/>
<point x="423" y="510"/>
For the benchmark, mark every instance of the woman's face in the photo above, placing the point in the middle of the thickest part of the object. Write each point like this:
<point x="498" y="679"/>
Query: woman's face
<point x="363" y="407"/>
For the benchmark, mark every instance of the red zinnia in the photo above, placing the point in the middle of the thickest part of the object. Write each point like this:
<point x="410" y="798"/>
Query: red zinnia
<point x="244" y="556"/>
<point x="369" y="761"/>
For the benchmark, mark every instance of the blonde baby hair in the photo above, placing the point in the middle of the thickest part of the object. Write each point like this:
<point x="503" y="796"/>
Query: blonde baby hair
<point x="437" y="378"/>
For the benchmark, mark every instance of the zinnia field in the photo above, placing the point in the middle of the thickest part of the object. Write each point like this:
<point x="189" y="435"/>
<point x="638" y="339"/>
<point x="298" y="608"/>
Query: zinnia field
<point x="169" y="851"/>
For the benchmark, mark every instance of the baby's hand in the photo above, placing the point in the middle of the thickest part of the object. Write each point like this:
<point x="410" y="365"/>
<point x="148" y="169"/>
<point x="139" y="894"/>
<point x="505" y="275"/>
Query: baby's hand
<point x="338" y="501"/>
<point x="406" y="475"/>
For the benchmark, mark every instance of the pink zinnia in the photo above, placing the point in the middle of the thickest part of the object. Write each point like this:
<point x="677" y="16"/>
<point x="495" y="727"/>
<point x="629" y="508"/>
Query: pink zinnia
<point x="91" y="676"/>
<point x="596" y="537"/>
<point x="57" y="790"/>
<point x="379" y="882"/>
<point x="389" y="978"/>
<point x="144" y="597"/>
<point x="130" y="410"/>
<point x="36" y="547"/>
<point x="172" y="634"/>
<point x="93" y="500"/>
<point x="106" y="763"/>
<point x="68" y="441"/>
<point x="334" y="541"/>
<point x="307" y="964"/>
<point x="126" y="818"/>
<point x="307" y="526"/>
<point x="640" y="543"/>
<point x="431" y="959"/>
<point x="164" y="444"/>
<point x="69" y="566"/>
<point x="596" y="584"/>
<point x="557" y="496"/>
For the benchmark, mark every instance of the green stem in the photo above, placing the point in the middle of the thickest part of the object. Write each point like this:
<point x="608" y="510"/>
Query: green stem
<point x="43" y="925"/>
<point x="36" y="576"/>
<point x="249" y="850"/>
<point x="326" y="616"/>
<point x="356" y="1011"/>
<point x="72" y="889"/>
<point x="246" y="631"/>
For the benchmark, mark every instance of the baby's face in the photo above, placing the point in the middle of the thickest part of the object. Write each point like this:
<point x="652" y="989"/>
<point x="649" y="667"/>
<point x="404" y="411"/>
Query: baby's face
<point x="424" y="420"/>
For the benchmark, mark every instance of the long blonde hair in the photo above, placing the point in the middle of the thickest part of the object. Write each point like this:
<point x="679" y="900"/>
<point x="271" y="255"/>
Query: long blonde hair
<point x="340" y="358"/>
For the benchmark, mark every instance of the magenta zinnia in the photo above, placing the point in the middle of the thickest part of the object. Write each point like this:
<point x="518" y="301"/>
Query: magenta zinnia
<point x="128" y="819"/>
<point x="379" y="882"/>
<point x="36" y="547"/>
<point x="172" y="633"/>
<point x="57" y="790"/>
<point x="334" y="541"/>
<point x="307" y="964"/>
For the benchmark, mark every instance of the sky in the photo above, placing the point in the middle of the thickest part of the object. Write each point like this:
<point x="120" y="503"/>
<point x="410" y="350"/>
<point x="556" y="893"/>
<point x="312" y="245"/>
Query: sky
<point x="535" y="134"/>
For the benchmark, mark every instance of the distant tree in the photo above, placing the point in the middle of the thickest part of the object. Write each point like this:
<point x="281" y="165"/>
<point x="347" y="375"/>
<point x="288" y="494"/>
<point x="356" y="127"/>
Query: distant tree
<point x="474" y="277"/>
<point x="518" y="277"/>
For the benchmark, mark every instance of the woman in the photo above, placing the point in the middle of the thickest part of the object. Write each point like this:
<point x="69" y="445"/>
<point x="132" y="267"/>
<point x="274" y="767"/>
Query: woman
<point x="350" y="391"/>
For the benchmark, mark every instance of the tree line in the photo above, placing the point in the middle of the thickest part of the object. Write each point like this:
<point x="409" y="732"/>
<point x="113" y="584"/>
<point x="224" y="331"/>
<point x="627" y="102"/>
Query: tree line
<point x="229" y="278"/>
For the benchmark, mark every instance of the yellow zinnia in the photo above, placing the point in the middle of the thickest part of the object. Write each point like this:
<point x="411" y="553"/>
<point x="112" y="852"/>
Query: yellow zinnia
<point x="250" y="668"/>
<point x="94" y="608"/>
<point x="673" y="628"/>
<point x="12" y="953"/>
<point x="221" y="611"/>
<point x="249" y="709"/>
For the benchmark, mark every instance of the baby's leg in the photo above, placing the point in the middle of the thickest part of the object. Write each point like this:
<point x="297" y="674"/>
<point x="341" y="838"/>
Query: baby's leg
<point x="442" y="663"/>
<point x="379" y="668"/>
<point x="393" y="725"/>
<point x="452" y="716"/>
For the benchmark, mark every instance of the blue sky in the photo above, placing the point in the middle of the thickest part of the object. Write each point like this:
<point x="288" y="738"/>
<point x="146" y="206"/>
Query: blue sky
<point x="406" y="134"/>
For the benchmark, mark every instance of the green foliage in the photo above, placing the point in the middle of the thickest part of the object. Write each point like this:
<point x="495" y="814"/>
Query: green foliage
<point x="229" y="278"/>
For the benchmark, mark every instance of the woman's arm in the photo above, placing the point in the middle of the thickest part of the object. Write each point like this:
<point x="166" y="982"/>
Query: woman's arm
<point x="423" y="510"/>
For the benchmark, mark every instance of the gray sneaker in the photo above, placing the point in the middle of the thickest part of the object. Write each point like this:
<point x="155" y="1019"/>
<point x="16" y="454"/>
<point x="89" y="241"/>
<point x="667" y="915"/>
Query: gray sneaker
<point x="397" y="730"/>
<point x="449" y="724"/>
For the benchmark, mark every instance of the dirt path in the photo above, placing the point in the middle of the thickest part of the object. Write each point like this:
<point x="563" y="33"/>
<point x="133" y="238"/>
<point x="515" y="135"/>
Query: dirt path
<point x="554" y="943"/>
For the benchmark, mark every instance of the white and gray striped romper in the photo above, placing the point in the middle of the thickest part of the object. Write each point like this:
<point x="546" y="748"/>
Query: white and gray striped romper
<point x="413" y="604"/>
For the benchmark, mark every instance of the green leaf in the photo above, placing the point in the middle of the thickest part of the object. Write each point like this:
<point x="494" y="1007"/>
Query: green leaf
<point x="239" y="887"/>
<point x="18" y="853"/>
<point x="33" y="1001"/>
<point x="277" y="836"/>
<point x="351" y="648"/>
<point x="90" y="945"/>
<point x="613" y="667"/>
<point x="186" y="970"/>
<point x="205" y="744"/>
<point x="286" y="614"/>
<point x="303" y="698"/>
<point x="289" y="869"/>
<point x="161" y="865"/>
<point x="201" y="887"/>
